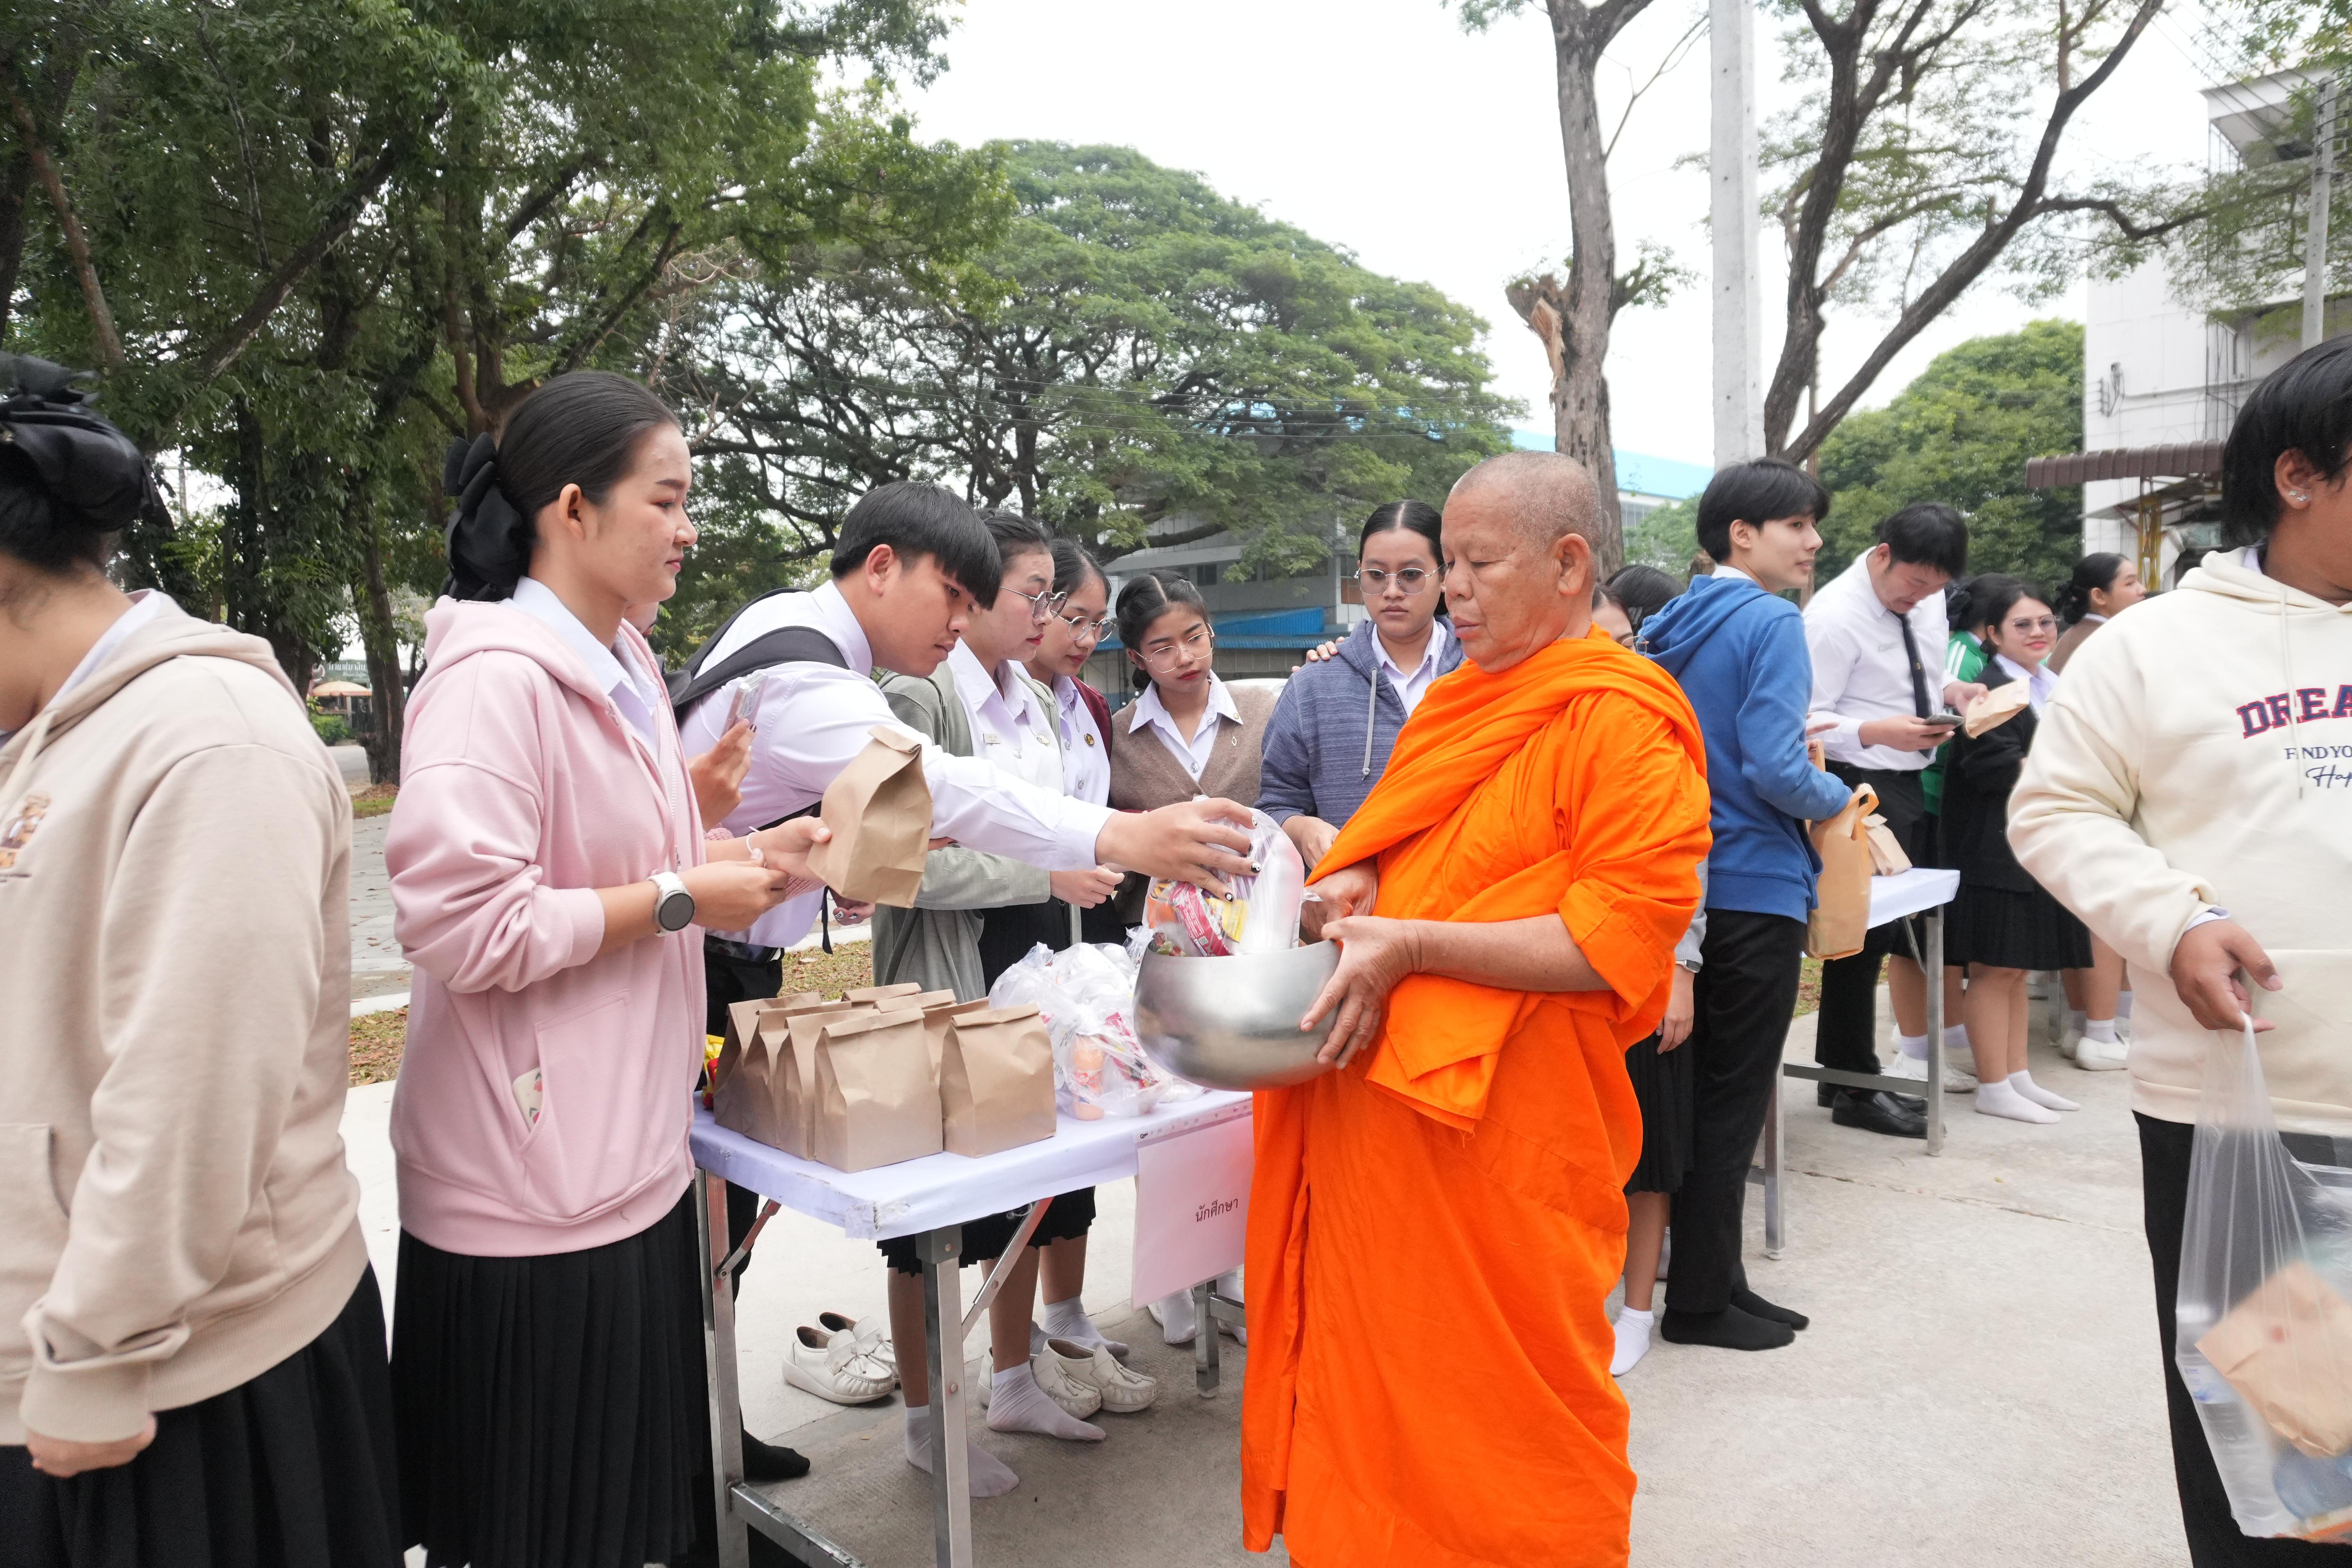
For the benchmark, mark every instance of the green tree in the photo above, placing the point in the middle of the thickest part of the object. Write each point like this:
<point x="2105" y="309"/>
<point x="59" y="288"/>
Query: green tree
<point x="1134" y="350"/>
<point x="1961" y="434"/>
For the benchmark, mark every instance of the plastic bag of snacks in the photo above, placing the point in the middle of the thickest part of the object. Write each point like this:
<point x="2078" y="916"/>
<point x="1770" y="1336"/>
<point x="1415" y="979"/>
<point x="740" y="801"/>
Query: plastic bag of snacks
<point x="1087" y="996"/>
<point x="1261" y="916"/>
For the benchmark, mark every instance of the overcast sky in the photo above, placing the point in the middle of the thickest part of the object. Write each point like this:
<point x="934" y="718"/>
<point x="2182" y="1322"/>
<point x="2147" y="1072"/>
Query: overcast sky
<point x="1379" y="125"/>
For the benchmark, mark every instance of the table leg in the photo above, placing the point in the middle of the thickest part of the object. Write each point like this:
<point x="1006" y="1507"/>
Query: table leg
<point x="1206" y="1370"/>
<point x="1934" y="965"/>
<point x="718" y="1367"/>
<point x="941" y="1252"/>
<point x="1775" y="1153"/>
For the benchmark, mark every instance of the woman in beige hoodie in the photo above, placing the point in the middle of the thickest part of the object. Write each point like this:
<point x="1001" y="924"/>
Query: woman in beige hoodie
<point x="2189" y="796"/>
<point x="192" y="1348"/>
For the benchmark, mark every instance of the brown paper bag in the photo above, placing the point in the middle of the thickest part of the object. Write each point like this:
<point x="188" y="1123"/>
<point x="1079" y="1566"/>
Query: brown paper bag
<point x="877" y="1102"/>
<point x="750" y="1097"/>
<point x="996" y="1080"/>
<point x="2287" y="1350"/>
<point x="1841" y="899"/>
<point x="742" y="1017"/>
<point x="936" y="1019"/>
<point x="795" y="1054"/>
<point x="1997" y="707"/>
<point x="1887" y="856"/>
<point x="879" y="993"/>
<point x="880" y="809"/>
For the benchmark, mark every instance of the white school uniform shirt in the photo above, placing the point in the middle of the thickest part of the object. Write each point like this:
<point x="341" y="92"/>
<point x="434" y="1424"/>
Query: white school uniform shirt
<point x="813" y="719"/>
<point x="1414" y="684"/>
<point x="629" y="688"/>
<point x="1009" y="725"/>
<point x="1859" y="670"/>
<point x="1086" y="760"/>
<point x="2039" y="682"/>
<point x="1194" y="754"/>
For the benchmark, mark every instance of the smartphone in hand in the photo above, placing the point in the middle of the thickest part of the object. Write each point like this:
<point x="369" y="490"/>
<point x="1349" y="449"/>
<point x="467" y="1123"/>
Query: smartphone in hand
<point x="745" y="708"/>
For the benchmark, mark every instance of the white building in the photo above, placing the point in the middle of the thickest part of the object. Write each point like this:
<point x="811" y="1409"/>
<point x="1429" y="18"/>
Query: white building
<point x="2164" y="378"/>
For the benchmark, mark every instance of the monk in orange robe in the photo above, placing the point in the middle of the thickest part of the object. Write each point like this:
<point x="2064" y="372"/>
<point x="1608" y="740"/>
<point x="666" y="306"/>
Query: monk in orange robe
<point x="1435" y="1225"/>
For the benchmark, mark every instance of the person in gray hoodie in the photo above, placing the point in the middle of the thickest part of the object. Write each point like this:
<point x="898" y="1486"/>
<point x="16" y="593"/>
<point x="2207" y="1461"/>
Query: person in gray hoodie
<point x="192" y="1346"/>
<point x="1329" y="741"/>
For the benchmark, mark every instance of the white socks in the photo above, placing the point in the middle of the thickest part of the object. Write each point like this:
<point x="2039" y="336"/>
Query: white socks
<point x="1015" y="1403"/>
<point x="2022" y="1081"/>
<point x="2076" y="1019"/>
<point x="988" y="1474"/>
<point x="1176" y="1317"/>
<point x="1068" y="1321"/>
<point x="1632" y="1340"/>
<point x="1956" y="1045"/>
<point x="2122" y="1003"/>
<point x="2002" y="1098"/>
<point x="2100" y="1029"/>
<point x="1229" y="1286"/>
<point x="1912" y="1046"/>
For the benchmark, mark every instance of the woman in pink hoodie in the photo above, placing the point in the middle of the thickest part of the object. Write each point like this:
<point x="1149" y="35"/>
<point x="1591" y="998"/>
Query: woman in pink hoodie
<point x="548" y="866"/>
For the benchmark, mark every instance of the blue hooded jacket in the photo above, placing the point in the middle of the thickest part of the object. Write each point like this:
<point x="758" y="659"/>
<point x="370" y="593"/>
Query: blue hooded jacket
<point x="1739" y="654"/>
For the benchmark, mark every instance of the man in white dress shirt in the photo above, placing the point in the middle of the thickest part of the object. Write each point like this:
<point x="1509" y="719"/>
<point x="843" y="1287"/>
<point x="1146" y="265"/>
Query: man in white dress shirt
<point x="1876" y="634"/>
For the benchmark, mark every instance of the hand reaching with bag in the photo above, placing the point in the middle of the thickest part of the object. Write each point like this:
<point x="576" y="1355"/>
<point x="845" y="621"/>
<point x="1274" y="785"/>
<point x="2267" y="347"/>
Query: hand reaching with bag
<point x="1085" y="889"/>
<point x="2206" y="963"/>
<point x="1200" y="841"/>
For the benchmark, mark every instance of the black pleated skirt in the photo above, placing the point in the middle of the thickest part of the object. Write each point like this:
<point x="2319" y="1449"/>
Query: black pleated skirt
<point x="2014" y="931"/>
<point x="552" y="1410"/>
<point x="1663" y="1083"/>
<point x="293" y="1469"/>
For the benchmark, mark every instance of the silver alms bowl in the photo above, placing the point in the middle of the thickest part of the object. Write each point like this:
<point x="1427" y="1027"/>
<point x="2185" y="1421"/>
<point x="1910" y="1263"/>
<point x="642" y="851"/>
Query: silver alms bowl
<point x="1233" y="1023"/>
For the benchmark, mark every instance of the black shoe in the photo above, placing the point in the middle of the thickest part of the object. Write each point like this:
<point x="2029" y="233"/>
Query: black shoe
<point x="1876" y="1111"/>
<point x="772" y="1461"/>
<point x="1824" y="1094"/>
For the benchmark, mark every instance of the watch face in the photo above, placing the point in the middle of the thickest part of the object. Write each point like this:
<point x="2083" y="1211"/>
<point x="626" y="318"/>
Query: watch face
<point x="674" y="911"/>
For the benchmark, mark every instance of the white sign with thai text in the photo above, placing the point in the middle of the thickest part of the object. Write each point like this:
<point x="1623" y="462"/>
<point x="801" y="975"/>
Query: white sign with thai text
<point x="1192" y="1206"/>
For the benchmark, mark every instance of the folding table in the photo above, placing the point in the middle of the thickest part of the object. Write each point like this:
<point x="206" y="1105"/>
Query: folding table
<point x="929" y="1198"/>
<point x="1918" y="890"/>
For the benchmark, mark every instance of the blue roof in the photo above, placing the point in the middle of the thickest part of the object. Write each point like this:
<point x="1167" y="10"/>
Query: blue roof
<point x="1259" y="628"/>
<point x="1637" y="472"/>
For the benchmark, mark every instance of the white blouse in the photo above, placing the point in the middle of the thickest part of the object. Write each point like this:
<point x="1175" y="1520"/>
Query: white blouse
<point x="1086" y="760"/>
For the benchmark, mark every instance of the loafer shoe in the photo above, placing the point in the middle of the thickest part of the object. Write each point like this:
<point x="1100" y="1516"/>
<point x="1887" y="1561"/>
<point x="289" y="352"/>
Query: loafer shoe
<point x="831" y="1366"/>
<point x="1876" y="1111"/>
<point x="873" y="1341"/>
<point x="1065" y="1381"/>
<point x="2099" y="1056"/>
<point x="1118" y="1390"/>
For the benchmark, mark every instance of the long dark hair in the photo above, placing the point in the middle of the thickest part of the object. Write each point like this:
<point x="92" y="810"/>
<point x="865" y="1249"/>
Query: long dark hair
<point x="582" y="428"/>
<point x="1412" y="516"/>
<point x="1073" y="565"/>
<point x="2092" y="572"/>
<point x="1142" y="600"/>
<point x="1641" y="591"/>
<point x="69" y="481"/>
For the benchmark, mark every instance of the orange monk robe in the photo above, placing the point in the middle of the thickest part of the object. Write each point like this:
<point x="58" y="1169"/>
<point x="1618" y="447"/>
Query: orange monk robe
<point x="1434" y="1232"/>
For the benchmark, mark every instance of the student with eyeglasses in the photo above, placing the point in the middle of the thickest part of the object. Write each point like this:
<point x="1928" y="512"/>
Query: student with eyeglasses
<point x="1187" y="734"/>
<point x="1059" y="663"/>
<point x="1329" y="741"/>
<point x="2003" y="923"/>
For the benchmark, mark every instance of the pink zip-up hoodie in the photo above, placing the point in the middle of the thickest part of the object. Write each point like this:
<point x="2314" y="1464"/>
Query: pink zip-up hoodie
<point x="522" y="791"/>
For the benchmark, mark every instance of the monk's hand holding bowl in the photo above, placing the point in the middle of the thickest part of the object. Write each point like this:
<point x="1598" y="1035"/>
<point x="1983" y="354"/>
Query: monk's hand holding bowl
<point x="1375" y="955"/>
<point x="1351" y="891"/>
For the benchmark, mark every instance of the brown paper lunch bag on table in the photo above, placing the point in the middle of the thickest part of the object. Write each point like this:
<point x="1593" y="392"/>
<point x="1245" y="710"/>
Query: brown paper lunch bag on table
<point x="936" y="1019"/>
<point x="796" y="1070"/>
<point x="878" y="994"/>
<point x="749" y="1098"/>
<point x="880" y="809"/>
<point x="996" y="1080"/>
<point x="877" y="1099"/>
<point x="742" y="1017"/>
<point x="1841" y="916"/>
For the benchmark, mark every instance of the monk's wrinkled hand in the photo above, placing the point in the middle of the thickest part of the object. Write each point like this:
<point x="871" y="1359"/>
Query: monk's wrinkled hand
<point x="1351" y="891"/>
<point x="1375" y="955"/>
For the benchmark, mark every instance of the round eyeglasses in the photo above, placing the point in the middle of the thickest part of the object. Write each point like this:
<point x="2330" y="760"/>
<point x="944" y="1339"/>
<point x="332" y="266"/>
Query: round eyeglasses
<point x="1042" y="606"/>
<point x="1160" y="660"/>
<point x="1087" y="628"/>
<point x="1409" y="581"/>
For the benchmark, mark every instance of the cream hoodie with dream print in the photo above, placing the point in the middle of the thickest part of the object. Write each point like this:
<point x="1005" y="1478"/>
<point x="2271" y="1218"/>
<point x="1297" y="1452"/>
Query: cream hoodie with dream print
<point x="2198" y="755"/>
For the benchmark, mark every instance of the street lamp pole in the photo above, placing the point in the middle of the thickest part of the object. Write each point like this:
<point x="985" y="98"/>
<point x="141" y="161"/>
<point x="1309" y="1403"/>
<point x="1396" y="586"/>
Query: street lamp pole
<point x="2314" y="232"/>
<point x="1732" y="215"/>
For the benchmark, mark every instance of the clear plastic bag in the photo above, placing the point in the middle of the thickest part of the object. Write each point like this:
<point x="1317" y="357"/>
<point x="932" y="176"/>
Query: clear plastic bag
<point x="2263" y="1336"/>
<point x="1087" y="994"/>
<point x="1260" y="916"/>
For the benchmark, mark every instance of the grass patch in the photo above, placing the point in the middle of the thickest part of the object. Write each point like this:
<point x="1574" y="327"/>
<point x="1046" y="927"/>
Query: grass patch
<point x="377" y="1040"/>
<point x="1809" y="988"/>
<point x="849" y="966"/>
<point x="373" y="801"/>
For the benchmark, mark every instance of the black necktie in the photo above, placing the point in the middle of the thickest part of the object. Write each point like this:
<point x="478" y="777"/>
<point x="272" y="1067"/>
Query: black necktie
<point x="1918" y="672"/>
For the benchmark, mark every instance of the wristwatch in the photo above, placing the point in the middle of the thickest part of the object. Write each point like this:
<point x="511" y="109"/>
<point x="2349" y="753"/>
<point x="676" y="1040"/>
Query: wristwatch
<point x="1687" y="965"/>
<point x="673" y="905"/>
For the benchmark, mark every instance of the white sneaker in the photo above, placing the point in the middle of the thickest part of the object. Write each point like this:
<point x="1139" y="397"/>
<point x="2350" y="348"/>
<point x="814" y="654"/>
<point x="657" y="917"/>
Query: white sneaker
<point x="873" y="1341"/>
<point x="1174" y="1314"/>
<point x="2097" y="1055"/>
<point x="831" y="1366"/>
<point x="1956" y="1080"/>
<point x="1061" y="1377"/>
<point x="1118" y="1390"/>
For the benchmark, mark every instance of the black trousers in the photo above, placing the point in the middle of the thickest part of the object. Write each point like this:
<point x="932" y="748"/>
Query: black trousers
<point x="1741" y="1001"/>
<point x="727" y="980"/>
<point x="1846" y="1033"/>
<point x="2214" y="1540"/>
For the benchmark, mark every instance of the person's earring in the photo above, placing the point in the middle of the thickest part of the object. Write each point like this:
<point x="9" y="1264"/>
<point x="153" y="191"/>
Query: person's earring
<point x="2297" y="497"/>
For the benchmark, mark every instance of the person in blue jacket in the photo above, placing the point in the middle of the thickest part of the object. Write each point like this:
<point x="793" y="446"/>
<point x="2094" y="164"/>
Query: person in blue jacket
<point x="1329" y="741"/>
<point x="1739" y="650"/>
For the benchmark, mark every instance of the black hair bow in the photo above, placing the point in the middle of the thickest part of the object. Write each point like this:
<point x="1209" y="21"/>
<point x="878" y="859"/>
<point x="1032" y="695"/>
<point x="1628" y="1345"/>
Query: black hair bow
<point x="93" y="474"/>
<point x="489" y="541"/>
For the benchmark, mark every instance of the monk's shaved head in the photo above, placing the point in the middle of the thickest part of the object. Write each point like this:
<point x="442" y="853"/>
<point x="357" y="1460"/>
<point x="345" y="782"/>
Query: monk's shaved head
<point x="1545" y="493"/>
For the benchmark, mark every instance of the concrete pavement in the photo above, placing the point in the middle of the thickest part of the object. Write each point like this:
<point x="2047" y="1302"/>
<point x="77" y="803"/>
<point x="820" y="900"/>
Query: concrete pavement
<point x="1980" y="1384"/>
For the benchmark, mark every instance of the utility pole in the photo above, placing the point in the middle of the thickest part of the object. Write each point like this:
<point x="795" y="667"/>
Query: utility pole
<point x="2315" y="233"/>
<point x="1731" y="213"/>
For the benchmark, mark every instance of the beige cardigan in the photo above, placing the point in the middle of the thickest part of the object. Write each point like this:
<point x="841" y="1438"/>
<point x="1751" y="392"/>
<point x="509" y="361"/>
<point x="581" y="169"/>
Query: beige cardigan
<point x="1145" y="775"/>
